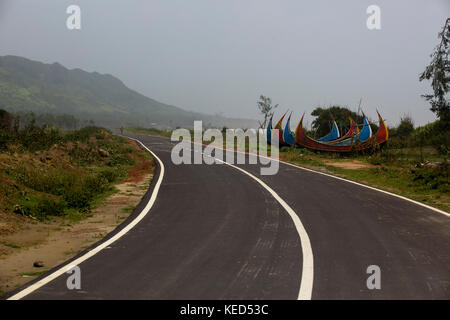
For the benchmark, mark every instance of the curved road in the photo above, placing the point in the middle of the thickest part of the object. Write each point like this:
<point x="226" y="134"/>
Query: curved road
<point x="215" y="233"/>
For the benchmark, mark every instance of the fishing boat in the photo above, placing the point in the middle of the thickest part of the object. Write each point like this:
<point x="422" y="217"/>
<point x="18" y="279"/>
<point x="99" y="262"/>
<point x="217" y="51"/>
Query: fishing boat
<point x="362" y="141"/>
<point x="288" y="135"/>
<point x="271" y="134"/>
<point x="363" y="135"/>
<point x="269" y="131"/>
<point x="333" y="134"/>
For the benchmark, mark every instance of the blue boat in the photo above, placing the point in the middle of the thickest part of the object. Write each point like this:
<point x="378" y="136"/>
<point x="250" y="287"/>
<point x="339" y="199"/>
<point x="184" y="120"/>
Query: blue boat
<point x="333" y="134"/>
<point x="288" y="135"/>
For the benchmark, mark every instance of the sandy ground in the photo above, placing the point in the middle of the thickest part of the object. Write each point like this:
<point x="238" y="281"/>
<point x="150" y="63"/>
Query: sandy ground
<point x="55" y="242"/>
<point x="351" y="165"/>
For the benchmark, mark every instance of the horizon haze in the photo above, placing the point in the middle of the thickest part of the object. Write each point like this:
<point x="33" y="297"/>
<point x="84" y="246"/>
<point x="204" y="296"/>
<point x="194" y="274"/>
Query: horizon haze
<point x="218" y="57"/>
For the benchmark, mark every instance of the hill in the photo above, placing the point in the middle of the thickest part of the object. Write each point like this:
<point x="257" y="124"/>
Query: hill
<point x="27" y="85"/>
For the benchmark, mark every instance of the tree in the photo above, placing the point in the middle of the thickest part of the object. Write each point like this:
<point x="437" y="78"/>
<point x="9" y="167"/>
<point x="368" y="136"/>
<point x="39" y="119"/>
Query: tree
<point x="6" y="120"/>
<point x="266" y="108"/>
<point x="322" y="124"/>
<point x="423" y="134"/>
<point x="405" y="128"/>
<point x="438" y="70"/>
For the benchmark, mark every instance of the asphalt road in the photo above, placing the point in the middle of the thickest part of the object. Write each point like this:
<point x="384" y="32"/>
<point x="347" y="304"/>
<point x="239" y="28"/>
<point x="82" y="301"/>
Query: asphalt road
<point x="216" y="233"/>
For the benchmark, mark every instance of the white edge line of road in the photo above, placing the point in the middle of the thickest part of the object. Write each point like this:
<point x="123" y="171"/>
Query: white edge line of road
<point x="307" y="278"/>
<point x="306" y="282"/>
<point x="101" y="246"/>
<point x="342" y="179"/>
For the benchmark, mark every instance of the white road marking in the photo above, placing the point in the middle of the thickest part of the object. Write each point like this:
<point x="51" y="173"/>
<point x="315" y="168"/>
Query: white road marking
<point x="307" y="279"/>
<point x="306" y="282"/>
<point x="103" y="245"/>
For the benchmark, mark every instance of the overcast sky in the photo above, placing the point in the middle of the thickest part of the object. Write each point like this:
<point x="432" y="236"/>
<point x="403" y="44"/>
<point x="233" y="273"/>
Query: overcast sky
<point x="218" y="56"/>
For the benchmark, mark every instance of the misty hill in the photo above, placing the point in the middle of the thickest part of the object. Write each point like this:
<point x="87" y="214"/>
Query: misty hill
<point x="27" y="85"/>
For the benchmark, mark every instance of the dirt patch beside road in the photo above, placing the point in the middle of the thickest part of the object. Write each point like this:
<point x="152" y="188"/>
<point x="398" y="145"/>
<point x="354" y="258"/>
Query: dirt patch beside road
<point x="350" y="165"/>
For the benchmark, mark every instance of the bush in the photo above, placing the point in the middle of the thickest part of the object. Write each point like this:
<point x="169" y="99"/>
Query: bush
<point x="109" y="175"/>
<point x="405" y="128"/>
<point x="77" y="190"/>
<point x="35" y="138"/>
<point x="49" y="207"/>
<point x="50" y="181"/>
<point x="436" y="134"/>
<point x="5" y="138"/>
<point x="41" y="208"/>
<point x="433" y="177"/>
<point x="78" y="198"/>
<point x="6" y="120"/>
<point x="84" y="134"/>
<point x="84" y="155"/>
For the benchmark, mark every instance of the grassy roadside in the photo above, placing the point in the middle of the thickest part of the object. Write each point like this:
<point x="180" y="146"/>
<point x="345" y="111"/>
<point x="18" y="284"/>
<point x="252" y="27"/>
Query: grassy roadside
<point x="67" y="177"/>
<point x="57" y="199"/>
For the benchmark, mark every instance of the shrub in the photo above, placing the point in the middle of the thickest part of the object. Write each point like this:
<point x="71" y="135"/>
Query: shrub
<point x="433" y="177"/>
<point x="6" y="120"/>
<point x="35" y="138"/>
<point x="5" y="137"/>
<point x="49" y="207"/>
<point x="41" y="208"/>
<point x="405" y="128"/>
<point x="109" y="175"/>
<point x="79" y="198"/>
<point x="49" y="181"/>
<point x="436" y="134"/>
<point x="84" y="134"/>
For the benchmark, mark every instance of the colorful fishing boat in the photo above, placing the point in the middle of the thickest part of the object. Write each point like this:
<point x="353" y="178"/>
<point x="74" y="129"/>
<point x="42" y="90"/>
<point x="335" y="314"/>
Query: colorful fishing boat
<point x="363" y="135"/>
<point x="271" y="134"/>
<point x="288" y="135"/>
<point x="269" y="131"/>
<point x="333" y="134"/>
<point x="280" y="131"/>
<point x="353" y="131"/>
<point x="359" y="142"/>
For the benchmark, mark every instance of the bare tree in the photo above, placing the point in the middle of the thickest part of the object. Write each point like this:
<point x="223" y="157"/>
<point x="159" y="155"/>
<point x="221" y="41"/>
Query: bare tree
<point x="266" y="108"/>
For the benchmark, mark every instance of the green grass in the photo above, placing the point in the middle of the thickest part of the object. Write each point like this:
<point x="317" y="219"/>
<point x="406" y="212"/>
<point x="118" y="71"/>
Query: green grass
<point x="128" y="209"/>
<point x="11" y="245"/>
<point x="150" y="132"/>
<point x="33" y="273"/>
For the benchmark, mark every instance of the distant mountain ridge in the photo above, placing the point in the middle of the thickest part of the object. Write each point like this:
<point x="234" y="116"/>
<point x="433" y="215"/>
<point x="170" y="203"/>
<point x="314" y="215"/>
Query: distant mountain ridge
<point x="27" y="85"/>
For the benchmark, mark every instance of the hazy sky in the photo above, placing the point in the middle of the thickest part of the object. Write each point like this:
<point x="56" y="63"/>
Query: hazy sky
<point x="218" y="56"/>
